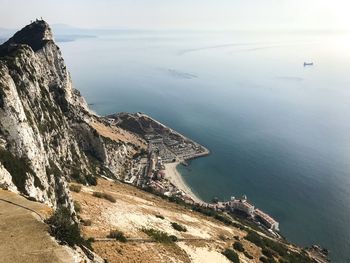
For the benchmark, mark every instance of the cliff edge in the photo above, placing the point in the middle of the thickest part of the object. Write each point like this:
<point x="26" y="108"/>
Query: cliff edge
<point x="45" y="136"/>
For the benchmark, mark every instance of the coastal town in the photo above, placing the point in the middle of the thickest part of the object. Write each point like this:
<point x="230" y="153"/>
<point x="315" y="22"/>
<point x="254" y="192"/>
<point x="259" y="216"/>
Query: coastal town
<point x="156" y="168"/>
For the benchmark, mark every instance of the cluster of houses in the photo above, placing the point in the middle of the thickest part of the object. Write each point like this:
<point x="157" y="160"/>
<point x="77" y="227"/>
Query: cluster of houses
<point x="157" y="144"/>
<point x="170" y="147"/>
<point x="171" y="150"/>
<point x="241" y="205"/>
<point x="153" y="175"/>
<point x="156" y="176"/>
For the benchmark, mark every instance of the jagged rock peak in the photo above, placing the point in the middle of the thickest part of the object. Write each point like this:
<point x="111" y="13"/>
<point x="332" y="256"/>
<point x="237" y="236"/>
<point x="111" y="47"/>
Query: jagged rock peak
<point x="46" y="136"/>
<point x="35" y="35"/>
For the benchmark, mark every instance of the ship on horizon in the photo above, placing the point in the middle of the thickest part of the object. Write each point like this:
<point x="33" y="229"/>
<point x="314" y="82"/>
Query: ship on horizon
<point x="308" y="64"/>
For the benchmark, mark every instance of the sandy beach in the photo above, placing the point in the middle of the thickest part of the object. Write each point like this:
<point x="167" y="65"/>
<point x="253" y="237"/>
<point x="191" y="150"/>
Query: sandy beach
<point x="175" y="178"/>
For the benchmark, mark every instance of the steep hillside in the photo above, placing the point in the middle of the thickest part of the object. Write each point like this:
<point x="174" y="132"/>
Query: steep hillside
<point x="148" y="222"/>
<point x="45" y="136"/>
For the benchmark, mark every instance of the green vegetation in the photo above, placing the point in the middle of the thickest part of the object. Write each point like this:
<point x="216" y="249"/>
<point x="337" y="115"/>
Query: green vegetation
<point x="86" y="222"/>
<point x="105" y="196"/>
<point x="81" y="178"/>
<point x="2" y="95"/>
<point x="264" y="243"/>
<point x="268" y="260"/>
<point x="178" y="227"/>
<point x="77" y="207"/>
<point x="159" y="236"/>
<point x="248" y="255"/>
<point x="160" y="217"/>
<point x="231" y="255"/>
<point x="269" y="253"/>
<point x="65" y="230"/>
<point x="244" y="221"/>
<point x="118" y="235"/>
<point x="279" y="248"/>
<point x="90" y="179"/>
<point x="273" y="249"/>
<point x="238" y="246"/>
<point x="203" y="210"/>
<point x="18" y="168"/>
<point x="222" y="237"/>
<point x="75" y="188"/>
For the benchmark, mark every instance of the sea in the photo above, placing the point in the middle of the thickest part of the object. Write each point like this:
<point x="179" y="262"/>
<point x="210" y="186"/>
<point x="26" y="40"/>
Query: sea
<point x="278" y="131"/>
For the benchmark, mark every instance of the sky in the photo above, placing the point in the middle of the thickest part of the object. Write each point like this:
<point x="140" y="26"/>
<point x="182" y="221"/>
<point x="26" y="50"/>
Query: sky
<point x="182" y="14"/>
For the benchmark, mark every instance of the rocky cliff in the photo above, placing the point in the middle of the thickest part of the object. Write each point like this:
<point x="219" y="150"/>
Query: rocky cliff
<point x="46" y="138"/>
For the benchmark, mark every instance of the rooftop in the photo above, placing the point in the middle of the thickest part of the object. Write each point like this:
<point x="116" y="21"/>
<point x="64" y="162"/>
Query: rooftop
<point x="265" y="216"/>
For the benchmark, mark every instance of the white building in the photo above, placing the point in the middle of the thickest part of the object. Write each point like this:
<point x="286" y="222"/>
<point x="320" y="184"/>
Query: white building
<point x="267" y="220"/>
<point x="241" y="205"/>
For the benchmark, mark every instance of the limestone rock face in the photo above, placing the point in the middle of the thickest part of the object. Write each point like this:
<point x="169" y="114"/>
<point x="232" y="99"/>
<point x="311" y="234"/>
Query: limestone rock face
<point x="45" y="138"/>
<point x="6" y="180"/>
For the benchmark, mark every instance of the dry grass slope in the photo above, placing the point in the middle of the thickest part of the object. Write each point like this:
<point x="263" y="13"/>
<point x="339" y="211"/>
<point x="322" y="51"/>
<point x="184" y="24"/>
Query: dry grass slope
<point x="136" y="210"/>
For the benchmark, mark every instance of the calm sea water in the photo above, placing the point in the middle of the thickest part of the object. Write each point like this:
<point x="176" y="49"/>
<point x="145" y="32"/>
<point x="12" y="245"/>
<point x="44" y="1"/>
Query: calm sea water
<point x="278" y="132"/>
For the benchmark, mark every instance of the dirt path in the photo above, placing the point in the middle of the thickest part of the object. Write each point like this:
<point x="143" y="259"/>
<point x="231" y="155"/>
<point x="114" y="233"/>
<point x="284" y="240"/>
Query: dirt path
<point x="24" y="237"/>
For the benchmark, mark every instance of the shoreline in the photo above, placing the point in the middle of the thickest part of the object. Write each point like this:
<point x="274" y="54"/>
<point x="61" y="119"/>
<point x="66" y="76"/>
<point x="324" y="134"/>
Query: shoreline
<point x="173" y="175"/>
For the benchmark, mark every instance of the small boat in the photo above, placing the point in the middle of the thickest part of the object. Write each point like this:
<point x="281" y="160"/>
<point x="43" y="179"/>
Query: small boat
<point x="308" y="64"/>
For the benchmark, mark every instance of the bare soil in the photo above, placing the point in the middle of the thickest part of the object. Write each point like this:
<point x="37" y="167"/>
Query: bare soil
<point x="135" y="209"/>
<point x="24" y="236"/>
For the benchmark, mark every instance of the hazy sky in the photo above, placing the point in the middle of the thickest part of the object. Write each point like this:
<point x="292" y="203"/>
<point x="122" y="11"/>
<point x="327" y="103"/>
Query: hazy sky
<point x="180" y="14"/>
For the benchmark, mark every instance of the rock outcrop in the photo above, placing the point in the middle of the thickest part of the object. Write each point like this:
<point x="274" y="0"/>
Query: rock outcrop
<point x="45" y="136"/>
